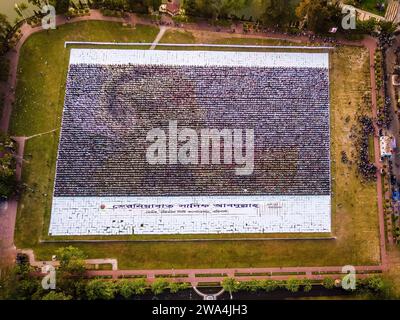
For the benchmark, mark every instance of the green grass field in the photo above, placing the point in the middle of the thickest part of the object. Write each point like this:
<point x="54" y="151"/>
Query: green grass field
<point x="370" y="5"/>
<point x="178" y="36"/>
<point x="38" y="108"/>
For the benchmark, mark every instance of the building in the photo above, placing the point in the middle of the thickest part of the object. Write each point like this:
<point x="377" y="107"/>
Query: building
<point x="387" y="144"/>
<point x="171" y="7"/>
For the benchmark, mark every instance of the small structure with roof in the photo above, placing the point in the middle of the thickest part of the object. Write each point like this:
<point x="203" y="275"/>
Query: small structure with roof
<point x="387" y="144"/>
<point x="171" y="7"/>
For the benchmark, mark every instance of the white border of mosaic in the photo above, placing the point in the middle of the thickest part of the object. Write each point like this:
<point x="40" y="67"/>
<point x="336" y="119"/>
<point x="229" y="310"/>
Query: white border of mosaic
<point x="200" y="58"/>
<point x="189" y="215"/>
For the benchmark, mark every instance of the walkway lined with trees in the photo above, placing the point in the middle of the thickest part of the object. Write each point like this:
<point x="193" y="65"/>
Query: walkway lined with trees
<point x="73" y="281"/>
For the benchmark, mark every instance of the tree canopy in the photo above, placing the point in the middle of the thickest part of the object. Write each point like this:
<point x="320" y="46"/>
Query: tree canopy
<point x="98" y="289"/>
<point x="5" y="28"/>
<point x="159" y="285"/>
<point x="61" y="6"/>
<point x="53" y="295"/>
<point x="71" y="259"/>
<point x="278" y="13"/>
<point x="128" y="288"/>
<point x="70" y="274"/>
<point x="8" y="182"/>
<point x="18" y="283"/>
<point x="319" y="15"/>
<point x="218" y="8"/>
<point x="293" y="284"/>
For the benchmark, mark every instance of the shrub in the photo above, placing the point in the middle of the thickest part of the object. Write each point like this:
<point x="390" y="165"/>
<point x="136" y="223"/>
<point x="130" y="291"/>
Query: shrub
<point x="374" y="283"/>
<point x="52" y="295"/>
<point x="159" y="285"/>
<point x="174" y="287"/>
<point x="8" y="182"/>
<point x="328" y="283"/>
<point x="307" y="285"/>
<point x="293" y="285"/>
<point x="99" y="289"/>
<point x="270" y="285"/>
<point x="255" y="285"/>
<point x="128" y="288"/>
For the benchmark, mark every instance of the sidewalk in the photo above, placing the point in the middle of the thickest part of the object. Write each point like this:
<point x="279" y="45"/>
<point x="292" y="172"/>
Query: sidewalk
<point x="196" y="276"/>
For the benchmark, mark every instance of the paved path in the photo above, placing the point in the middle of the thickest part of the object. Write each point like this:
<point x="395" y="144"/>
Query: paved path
<point x="311" y="272"/>
<point x="371" y="44"/>
<point x="159" y="36"/>
<point x="196" y="276"/>
<point x="366" y="15"/>
<point x="208" y="296"/>
<point x="39" y="264"/>
<point x="391" y="11"/>
<point x="7" y="216"/>
<point x="394" y="128"/>
<point x="8" y="213"/>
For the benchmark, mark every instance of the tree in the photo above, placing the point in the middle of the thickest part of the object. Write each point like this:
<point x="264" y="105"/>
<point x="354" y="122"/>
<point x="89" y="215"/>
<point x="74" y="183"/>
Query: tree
<point x="128" y="288"/>
<point x="278" y="13"/>
<point x="159" y="285"/>
<point x="99" y="289"/>
<point x="18" y="283"/>
<point x="366" y="26"/>
<point x="386" y="37"/>
<point x="387" y="27"/>
<point x="72" y="260"/>
<point x="231" y="285"/>
<point x="139" y="6"/>
<point x="61" y="6"/>
<point x="5" y="28"/>
<point x="190" y="7"/>
<point x="20" y="8"/>
<point x="70" y="274"/>
<point x="319" y="15"/>
<point x="230" y="6"/>
<point x="37" y="3"/>
<point x="375" y="284"/>
<point x="307" y="285"/>
<point x="53" y="295"/>
<point x="8" y="182"/>
<point x="154" y="4"/>
<point x="216" y="9"/>
<point x="328" y="283"/>
<point x="293" y="284"/>
<point x="174" y="287"/>
<point x="270" y="285"/>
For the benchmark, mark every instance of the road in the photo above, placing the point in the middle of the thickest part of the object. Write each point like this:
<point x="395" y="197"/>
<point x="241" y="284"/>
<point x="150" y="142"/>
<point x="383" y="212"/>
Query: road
<point x="394" y="128"/>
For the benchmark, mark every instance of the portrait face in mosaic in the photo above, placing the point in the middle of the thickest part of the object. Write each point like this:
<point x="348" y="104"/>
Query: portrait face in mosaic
<point x="117" y="105"/>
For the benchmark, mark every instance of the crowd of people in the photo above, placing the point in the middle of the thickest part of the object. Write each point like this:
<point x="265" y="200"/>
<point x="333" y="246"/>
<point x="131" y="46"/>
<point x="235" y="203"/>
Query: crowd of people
<point x="366" y="168"/>
<point x="109" y="110"/>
